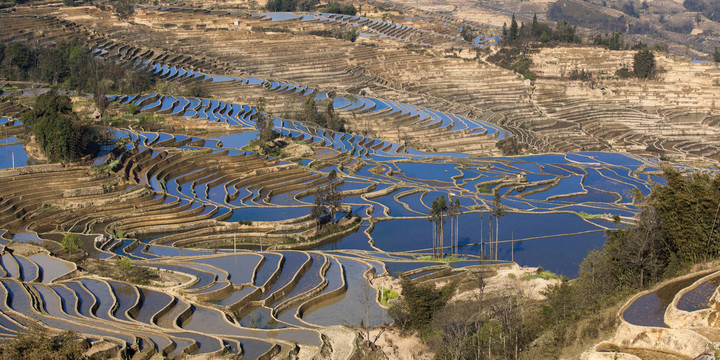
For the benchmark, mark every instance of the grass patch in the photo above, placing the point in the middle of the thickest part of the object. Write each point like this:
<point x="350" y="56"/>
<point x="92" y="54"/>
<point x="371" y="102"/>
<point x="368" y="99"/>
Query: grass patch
<point x="585" y="215"/>
<point x="387" y="295"/>
<point x="105" y="168"/>
<point x="447" y="259"/>
<point x="541" y="274"/>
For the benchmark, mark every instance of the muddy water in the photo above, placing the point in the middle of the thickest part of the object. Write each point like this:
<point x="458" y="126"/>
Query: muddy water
<point x="697" y="298"/>
<point x="649" y="309"/>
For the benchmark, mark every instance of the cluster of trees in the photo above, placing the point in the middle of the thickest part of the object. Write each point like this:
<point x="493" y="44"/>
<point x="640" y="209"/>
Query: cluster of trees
<point x="616" y="41"/>
<point x="264" y="124"/>
<point x="330" y="119"/>
<point x="338" y="8"/>
<point x="124" y="9"/>
<point x="500" y="326"/>
<point x="440" y="209"/>
<point x="291" y="5"/>
<point x="468" y="34"/>
<point x="60" y="132"/>
<point x="677" y="227"/>
<point x="564" y="32"/>
<point x="513" y="58"/>
<point x="517" y="39"/>
<point x="511" y="146"/>
<point x="71" y="66"/>
<point x="710" y="9"/>
<point x="348" y="33"/>
<point x="328" y="201"/>
<point x="644" y="66"/>
<point x="310" y="5"/>
<point x="581" y="75"/>
<point x="629" y="8"/>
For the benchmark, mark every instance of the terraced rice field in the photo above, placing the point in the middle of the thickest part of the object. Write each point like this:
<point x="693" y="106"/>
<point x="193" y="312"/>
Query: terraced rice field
<point x="237" y="225"/>
<point x="185" y="200"/>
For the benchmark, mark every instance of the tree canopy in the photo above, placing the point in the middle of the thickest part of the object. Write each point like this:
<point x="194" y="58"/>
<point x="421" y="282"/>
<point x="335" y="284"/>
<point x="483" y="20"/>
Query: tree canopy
<point x="69" y="65"/>
<point x="70" y="243"/>
<point x="644" y="64"/>
<point x="59" y="131"/>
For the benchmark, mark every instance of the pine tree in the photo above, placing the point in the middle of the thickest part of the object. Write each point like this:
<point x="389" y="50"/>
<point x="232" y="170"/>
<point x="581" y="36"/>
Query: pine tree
<point x="535" y="26"/>
<point x="716" y="55"/>
<point x="513" y="29"/>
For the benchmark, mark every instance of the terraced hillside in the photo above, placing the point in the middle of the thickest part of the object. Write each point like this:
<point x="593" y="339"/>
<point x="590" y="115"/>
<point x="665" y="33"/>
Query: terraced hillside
<point x="277" y="56"/>
<point x="186" y="204"/>
<point x="239" y="261"/>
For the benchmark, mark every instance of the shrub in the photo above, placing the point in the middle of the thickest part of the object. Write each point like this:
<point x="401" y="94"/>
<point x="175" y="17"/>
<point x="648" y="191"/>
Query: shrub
<point x="419" y="305"/>
<point x="35" y="343"/>
<point x="387" y="295"/>
<point x="624" y="73"/>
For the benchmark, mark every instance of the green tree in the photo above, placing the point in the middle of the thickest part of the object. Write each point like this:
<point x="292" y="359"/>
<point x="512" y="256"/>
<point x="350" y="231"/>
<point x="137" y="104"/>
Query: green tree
<point x="454" y="211"/>
<point x="644" y="64"/>
<point x="565" y="32"/>
<point x="437" y="218"/>
<point x="467" y="34"/>
<point x="716" y="55"/>
<point x="544" y="37"/>
<point x="497" y="212"/>
<point x="19" y="55"/>
<point x="687" y="209"/>
<point x="332" y="197"/>
<point x="310" y="111"/>
<point x="264" y="124"/>
<point x="333" y="121"/>
<point x="70" y="243"/>
<point x="328" y="199"/>
<point x="513" y="33"/>
<point x="350" y="34"/>
<point x="125" y="265"/>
